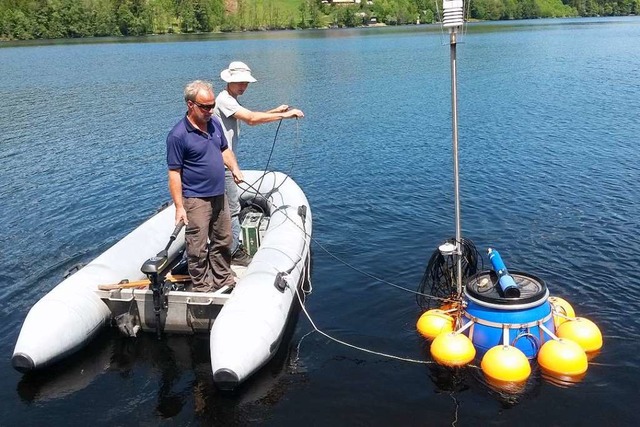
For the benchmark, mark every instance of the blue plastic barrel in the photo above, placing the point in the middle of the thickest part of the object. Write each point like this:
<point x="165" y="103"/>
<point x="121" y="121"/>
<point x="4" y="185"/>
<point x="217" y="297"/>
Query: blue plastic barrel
<point x="491" y="313"/>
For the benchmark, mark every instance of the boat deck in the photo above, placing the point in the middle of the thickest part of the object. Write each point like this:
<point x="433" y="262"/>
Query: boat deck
<point x="132" y="309"/>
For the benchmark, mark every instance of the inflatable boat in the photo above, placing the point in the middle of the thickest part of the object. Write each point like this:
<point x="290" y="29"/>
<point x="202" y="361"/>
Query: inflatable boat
<point x="136" y="285"/>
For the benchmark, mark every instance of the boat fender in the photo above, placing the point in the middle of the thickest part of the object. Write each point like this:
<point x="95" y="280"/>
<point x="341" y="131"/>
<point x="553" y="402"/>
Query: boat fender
<point x="72" y="270"/>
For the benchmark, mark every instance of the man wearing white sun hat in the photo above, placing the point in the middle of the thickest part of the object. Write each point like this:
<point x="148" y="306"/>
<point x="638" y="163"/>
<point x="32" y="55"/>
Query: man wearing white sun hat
<point x="231" y="113"/>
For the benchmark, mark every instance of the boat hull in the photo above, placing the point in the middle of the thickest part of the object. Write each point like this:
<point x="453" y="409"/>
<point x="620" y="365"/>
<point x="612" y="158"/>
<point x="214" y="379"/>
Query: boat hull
<point x="249" y="328"/>
<point x="246" y="323"/>
<point x="72" y="313"/>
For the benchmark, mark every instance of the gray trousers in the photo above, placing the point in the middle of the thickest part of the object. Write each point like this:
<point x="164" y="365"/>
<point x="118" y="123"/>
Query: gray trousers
<point x="233" y="198"/>
<point x="208" y="238"/>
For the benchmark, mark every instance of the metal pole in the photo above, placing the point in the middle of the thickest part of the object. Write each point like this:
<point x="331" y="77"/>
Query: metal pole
<point x="456" y="179"/>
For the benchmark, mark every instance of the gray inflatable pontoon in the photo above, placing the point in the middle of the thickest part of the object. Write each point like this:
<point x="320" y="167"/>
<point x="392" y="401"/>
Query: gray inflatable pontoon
<point x="246" y="323"/>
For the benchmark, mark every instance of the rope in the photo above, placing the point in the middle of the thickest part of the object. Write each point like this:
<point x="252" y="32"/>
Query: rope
<point x="354" y="268"/>
<point x="296" y="145"/>
<point x="255" y="188"/>
<point x="308" y="273"/>
<point x="266" y="167"/>
<point x="364" y="273"/>
<point x="366" y="350"/>
<point x="293" y="161"/>
<point x="418" y="294"/>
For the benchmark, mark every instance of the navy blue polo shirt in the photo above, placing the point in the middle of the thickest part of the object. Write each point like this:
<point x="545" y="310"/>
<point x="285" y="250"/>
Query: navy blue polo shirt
<point x="199" y="156"/>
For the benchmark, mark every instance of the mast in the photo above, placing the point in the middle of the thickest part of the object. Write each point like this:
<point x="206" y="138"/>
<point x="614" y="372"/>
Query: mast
<point x="453" y="19"/>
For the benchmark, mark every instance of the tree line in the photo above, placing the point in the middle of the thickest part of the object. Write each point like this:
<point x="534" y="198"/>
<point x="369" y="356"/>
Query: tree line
<point x="54" y="19"/>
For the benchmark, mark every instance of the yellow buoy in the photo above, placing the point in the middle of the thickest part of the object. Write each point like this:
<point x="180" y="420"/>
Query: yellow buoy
<point x="452" y="349"/>
<point x="583" y="331"/>
<point x="433" y="323"/>
<point x="506" y="363"/>
<point x="563" y="357"/>
<point x="563" y="307"/>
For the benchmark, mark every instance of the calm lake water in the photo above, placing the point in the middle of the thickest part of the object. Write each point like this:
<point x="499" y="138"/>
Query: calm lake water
<point x="549" y="128"/>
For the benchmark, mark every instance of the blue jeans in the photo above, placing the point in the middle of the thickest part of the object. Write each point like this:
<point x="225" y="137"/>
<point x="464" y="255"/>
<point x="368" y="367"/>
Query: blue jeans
<point x="233" y="198"/>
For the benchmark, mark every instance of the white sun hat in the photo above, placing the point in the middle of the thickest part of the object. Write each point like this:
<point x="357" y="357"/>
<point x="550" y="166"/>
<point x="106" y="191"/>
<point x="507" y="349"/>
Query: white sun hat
<point x="238" y="72"/>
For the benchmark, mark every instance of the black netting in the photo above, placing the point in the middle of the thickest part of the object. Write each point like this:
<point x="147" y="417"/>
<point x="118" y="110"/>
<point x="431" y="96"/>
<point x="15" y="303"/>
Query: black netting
<point x="439" y="279"/>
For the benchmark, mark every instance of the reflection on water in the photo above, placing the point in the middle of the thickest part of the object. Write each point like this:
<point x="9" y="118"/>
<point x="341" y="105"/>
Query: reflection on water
<point x="562" y="381"/>
<point x="70" y="375"/>
<point x="549" y="176"/>
<point x="181" y="363"/>
<point x="461" y="380"/>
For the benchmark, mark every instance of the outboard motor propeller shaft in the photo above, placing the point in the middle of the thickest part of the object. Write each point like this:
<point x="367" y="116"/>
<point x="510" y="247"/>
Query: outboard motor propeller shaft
<point x="154" y="269"/>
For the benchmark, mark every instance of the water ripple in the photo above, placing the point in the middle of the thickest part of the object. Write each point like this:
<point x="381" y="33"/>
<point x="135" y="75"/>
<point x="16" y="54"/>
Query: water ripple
<point x="549" y="173"/>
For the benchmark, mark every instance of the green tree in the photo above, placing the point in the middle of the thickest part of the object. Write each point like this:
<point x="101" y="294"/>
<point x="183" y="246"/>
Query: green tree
<point x="131" y="19"/>
<point x="383" y="10"/>
<point x="26" y="19"/>
<point x="271" y="15"/>
<point x="215" y="13"/>
<point x="187" y="16"/>
<point x="304" y="15"/>
<point x="202" y="16"/>
<point x="75" y="19"/>
<point x="162" y="15"/>
<point x="347" y="17"/>
<point x="315" y="14"/>
<point x="18" y="25"/>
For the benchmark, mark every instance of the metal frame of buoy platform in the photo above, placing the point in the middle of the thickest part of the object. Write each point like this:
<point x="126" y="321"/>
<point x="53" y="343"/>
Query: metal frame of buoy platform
<point x="508" y="336"/>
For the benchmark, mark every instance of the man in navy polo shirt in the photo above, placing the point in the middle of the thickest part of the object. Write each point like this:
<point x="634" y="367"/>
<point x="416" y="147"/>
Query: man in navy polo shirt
<point x="197" y="154"/>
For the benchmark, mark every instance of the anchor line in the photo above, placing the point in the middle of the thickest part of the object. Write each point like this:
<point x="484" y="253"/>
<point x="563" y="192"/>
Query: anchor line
<point x="457" y="407"/>
<point x="266" y="167"/>
<point x="358" y="270"/>
<point x="420" y="294"/>
<point x="366" y="350"/>
<point x="379" y="279"/>
<point x="353" y="346"/>
<point x="273" y="146"/>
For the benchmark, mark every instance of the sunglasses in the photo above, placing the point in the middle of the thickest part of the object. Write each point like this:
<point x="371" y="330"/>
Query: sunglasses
<point x="206" y="107"/>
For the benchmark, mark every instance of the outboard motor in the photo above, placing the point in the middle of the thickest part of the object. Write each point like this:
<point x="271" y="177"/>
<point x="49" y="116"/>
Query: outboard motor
<point x="155" y="268"/>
